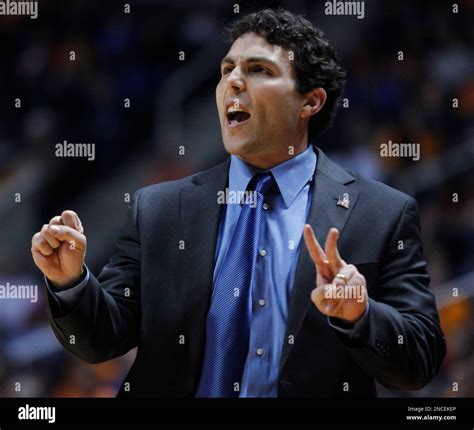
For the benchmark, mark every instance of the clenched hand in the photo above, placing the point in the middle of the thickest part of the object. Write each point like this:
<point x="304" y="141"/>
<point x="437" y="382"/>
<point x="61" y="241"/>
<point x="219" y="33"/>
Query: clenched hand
<point x="59" y="249"/>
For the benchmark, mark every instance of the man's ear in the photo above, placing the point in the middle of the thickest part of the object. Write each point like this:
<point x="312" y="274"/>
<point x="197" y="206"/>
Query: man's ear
<point x="314" y="102"/>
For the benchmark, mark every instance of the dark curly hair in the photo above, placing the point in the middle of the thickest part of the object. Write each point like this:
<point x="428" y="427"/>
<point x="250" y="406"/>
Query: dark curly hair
<point x="316" y="61"/>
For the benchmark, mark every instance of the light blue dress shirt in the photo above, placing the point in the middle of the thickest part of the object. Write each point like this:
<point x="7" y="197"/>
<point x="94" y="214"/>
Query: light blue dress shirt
<point x="279" y="247"/>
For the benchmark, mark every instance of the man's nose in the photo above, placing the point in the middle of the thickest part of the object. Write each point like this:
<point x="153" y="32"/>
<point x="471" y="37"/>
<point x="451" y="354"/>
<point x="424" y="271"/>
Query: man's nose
<point x="235" y="80"/>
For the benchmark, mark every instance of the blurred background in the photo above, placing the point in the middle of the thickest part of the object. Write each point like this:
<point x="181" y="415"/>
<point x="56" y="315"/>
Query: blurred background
<point x="142" y="85"/>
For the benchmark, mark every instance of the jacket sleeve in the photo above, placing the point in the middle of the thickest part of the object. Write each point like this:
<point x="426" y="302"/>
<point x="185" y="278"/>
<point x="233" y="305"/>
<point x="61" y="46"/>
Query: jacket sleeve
<point x="401" y="342"/>
<point x="104" y="322"/>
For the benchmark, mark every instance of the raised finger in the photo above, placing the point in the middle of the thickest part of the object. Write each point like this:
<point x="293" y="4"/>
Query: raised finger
<point x="335" y="260"/>
<point x="315" y="251"/>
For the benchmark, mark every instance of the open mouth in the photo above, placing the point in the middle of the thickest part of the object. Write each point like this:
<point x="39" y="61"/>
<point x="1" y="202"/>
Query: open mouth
<point x="236" y="118"/>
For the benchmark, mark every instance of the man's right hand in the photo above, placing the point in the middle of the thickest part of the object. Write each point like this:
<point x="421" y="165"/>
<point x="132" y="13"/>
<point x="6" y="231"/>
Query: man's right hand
<point x="59" y="249"/>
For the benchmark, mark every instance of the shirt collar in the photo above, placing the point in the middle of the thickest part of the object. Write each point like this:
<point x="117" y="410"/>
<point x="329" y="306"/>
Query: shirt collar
<point x="291" y="176"/>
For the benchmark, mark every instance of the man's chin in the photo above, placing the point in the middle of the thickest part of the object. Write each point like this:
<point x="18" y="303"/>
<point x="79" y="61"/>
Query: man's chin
<point x="237" y="147"/>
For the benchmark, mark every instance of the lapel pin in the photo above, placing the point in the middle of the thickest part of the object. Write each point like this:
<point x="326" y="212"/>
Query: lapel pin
<point x="344" y="201"/>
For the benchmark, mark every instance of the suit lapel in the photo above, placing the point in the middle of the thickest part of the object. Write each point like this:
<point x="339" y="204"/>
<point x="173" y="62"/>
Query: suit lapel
<point x="329" y="184"/>
<point x="200" y="215"/>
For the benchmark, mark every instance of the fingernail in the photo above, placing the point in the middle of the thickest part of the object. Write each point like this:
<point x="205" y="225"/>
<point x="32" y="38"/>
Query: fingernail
<point x="54" y="229"/>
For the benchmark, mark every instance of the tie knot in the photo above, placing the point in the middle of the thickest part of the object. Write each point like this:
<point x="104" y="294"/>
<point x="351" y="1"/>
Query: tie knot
<point x="264" y="182"/>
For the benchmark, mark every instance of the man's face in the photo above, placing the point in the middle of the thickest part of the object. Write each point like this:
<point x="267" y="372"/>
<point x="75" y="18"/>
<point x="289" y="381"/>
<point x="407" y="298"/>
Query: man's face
<point x="257" y="78"/>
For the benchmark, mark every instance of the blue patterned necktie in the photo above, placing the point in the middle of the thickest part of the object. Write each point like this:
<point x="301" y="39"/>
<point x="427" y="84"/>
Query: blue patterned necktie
<point x="230" y="313"/>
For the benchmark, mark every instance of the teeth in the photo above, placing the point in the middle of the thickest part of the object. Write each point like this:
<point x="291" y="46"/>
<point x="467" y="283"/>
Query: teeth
<point x="232" y="109"/>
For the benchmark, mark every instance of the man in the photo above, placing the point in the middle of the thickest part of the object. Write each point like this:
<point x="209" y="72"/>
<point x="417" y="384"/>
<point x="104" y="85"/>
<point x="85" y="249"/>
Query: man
<point x="224" y="300"/>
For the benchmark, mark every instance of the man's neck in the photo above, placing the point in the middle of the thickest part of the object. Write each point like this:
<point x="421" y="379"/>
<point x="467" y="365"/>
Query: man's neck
<point x="265" y="161"/>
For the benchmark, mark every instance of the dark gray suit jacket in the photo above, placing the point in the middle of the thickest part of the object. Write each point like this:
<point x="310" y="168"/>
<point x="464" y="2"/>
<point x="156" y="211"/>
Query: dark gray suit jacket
<point x="155" y="292"/>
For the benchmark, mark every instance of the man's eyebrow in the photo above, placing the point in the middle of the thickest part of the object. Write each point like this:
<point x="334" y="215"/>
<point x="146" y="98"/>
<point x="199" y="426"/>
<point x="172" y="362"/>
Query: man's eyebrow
<point x="230" y="60"/>
<point x="227" y="60"/>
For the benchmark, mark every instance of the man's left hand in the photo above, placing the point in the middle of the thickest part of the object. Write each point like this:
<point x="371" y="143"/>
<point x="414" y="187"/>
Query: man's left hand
<point x="340" y="288"/>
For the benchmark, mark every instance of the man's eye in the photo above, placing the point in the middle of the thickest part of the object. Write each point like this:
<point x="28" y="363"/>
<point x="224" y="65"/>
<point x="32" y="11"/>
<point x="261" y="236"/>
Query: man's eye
<point x="226" y="70"/>
<point x="260" y="69"/>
